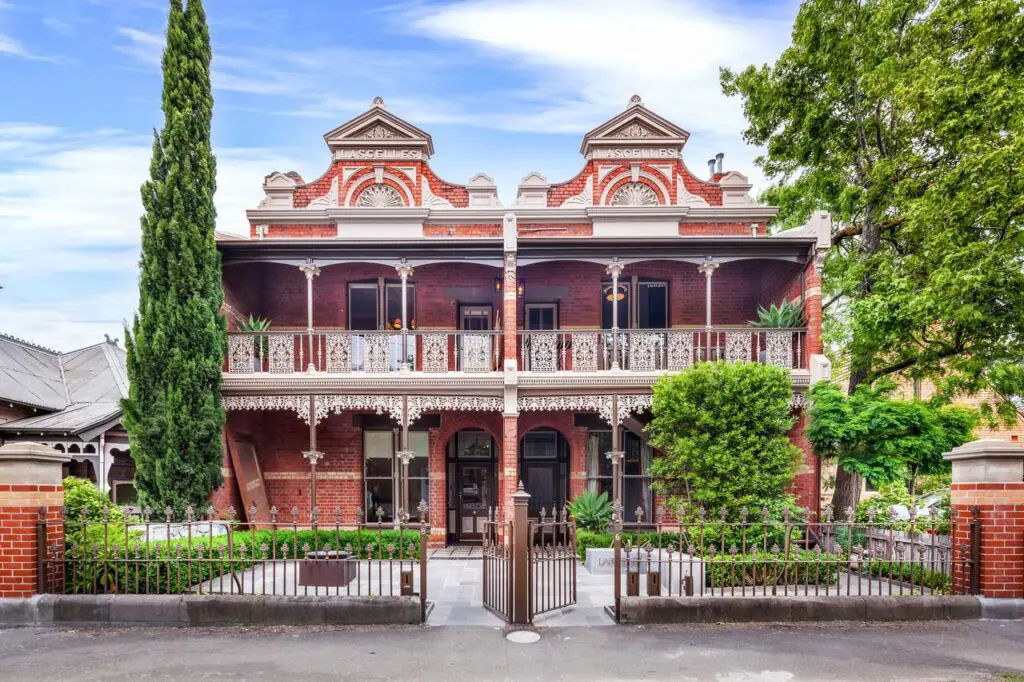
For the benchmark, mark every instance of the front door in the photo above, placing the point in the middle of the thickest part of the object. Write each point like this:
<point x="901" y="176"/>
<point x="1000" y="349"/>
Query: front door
<point x="474" y="481"/>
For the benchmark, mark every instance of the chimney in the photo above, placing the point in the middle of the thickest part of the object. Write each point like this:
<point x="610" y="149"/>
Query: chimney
<point x="718" y="158"/>
<point x="711" y="167"/>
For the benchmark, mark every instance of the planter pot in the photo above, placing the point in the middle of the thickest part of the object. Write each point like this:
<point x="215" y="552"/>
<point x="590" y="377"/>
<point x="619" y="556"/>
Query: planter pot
<point x="331" y="568"/>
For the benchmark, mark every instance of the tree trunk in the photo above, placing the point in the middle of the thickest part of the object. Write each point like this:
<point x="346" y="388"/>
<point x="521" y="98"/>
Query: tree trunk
<point x="848" y="484"/>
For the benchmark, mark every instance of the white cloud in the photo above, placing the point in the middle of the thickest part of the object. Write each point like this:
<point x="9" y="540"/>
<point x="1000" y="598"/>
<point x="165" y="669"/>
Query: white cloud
<point x="587" y="57"/>
<point x="70" y="205"/>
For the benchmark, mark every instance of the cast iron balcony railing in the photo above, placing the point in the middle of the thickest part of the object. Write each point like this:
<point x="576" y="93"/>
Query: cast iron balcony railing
<point x="375" y="352"/>
<point x="652" y="350"/>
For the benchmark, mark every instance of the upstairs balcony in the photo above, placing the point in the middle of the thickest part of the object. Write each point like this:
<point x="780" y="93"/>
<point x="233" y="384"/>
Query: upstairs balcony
<point x="340" y="324"/>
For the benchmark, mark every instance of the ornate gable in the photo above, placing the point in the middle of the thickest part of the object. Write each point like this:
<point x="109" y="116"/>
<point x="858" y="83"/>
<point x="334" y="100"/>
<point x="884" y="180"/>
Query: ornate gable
<point x="636" y="133"/>
<point x="379" y="134"/>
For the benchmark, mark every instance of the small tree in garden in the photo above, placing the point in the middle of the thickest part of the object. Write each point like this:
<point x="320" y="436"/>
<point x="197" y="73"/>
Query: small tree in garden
<point x="722" y="428"/>
<point x="884" y="439"/>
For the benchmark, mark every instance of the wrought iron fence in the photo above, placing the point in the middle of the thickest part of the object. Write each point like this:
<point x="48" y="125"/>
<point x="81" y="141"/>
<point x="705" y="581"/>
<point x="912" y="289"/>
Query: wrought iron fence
<point x="651" y="350"/>
<point x="289" y="352"/>
<point x="219" y="554"/>
<point x="799" y="555"/>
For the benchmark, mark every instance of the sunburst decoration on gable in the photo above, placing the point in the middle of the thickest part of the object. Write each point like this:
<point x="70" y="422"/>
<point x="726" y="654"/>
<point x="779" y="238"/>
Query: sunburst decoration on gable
<point x="379" y="132"/>
<point x="634" y="194"/>
<point x="634" y="130"/>
<point x="380" y="196"/>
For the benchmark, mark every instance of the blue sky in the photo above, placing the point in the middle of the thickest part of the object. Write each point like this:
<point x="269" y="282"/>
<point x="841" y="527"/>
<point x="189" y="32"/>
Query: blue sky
<point x="504" y="86"/>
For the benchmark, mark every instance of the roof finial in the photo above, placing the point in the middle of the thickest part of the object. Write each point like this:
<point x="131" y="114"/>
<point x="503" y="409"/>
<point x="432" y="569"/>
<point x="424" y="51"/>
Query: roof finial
<point x="379" y="102"/>
<point x="635" y="101"/>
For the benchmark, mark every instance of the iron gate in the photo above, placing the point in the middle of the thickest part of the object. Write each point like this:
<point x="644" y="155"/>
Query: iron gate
<point x="552" y="562"/>
<point x="529" y="565"/>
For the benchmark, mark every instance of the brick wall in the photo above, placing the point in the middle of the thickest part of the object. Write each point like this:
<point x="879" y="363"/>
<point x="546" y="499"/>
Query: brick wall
<point x="1000" y="509"/>
<point x="611" y="180"/>
<point x="278" y="292"/>
<point x="20" y="509"/>
<point x="807" y="482"/>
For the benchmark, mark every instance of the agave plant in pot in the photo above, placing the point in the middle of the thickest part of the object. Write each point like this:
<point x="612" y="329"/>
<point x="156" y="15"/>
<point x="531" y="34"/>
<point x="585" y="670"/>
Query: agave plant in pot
<point x="258" y="328"/>
<point x="591" y="511"/>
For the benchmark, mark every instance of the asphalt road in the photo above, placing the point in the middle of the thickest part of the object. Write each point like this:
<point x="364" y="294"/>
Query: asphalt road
<point x="966" y="650"/>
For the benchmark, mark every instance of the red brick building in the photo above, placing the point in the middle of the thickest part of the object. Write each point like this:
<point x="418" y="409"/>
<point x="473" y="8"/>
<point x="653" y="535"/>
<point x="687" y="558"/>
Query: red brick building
<point x="428" y="344"/>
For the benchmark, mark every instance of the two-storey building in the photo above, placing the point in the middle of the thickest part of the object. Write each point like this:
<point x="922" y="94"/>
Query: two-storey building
<point x="427" y="344"/>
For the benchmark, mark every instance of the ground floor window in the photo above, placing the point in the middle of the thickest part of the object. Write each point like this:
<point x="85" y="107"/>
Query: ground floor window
<point x="382" y="474"/>
<point x="544" y="469"/>
<point x="636" y="480"/>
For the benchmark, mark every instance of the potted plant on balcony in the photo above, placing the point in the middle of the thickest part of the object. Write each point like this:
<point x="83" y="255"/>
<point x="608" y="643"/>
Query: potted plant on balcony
<point x="786" y="315"/>
<point x="258" y="327"/>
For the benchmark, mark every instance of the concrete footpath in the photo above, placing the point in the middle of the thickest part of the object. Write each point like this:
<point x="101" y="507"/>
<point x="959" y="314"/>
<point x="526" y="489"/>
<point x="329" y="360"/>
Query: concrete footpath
<point x="963" y="650"/>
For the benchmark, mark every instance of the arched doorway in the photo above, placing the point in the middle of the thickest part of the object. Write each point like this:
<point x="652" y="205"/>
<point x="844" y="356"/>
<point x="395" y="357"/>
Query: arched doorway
<point x="544" y="469"/>
<point x="472" y="484"/>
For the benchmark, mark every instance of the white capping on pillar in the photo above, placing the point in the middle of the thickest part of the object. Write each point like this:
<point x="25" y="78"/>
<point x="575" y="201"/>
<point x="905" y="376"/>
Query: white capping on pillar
<point x="821" y="368"/>
<point x="988" y="460"/>
<point x="533" y="191"/>
<point x="31" y="464"/>
<point x="483" y="193"/>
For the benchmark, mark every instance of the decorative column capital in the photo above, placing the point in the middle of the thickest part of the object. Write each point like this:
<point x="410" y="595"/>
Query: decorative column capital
<point x="405" y="456"/>
<point x="313" y="456"/>
<point x="405" y="271"/>
<point x="615" y="456"/>
<point x="310" y="269"/>
<point x="615" y="268"/>
<point x="709" y="266"/>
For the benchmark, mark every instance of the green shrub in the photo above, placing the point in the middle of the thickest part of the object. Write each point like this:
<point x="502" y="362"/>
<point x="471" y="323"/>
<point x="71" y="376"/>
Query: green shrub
<point x="723" y="430"/>
<point x="591" y="512"/>
<point x="915" y="574"/>
<point x="764" y="569"/>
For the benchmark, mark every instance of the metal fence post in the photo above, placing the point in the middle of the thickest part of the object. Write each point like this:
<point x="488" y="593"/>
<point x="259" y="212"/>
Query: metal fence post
<point x="975" y="526"/>
<point x="618" y="573"/>
<point x="424" y="530"/>
<point x="520" y="563"/>
<point x="41" y="582"/>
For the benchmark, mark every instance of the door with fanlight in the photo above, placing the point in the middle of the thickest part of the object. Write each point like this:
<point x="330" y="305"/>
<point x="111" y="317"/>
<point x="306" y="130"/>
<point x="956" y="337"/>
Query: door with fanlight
<point x="476" y="344"/>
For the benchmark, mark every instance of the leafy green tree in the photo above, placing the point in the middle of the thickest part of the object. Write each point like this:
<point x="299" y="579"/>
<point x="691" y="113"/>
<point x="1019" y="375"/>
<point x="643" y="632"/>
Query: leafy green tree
<point x="904" y="119"/>
<point x="722" y="428"/>
<point x="883" y="439"/>
<point x="175" y="348"/>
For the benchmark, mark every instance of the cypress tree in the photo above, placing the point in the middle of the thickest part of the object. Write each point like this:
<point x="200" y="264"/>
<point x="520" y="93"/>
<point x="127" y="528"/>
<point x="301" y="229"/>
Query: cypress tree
<point x="173" y="414"/>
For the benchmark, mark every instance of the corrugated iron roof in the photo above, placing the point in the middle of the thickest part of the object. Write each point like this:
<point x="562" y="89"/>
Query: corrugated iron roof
<point x="31" y="375"/>
<point x="80" y="389"/>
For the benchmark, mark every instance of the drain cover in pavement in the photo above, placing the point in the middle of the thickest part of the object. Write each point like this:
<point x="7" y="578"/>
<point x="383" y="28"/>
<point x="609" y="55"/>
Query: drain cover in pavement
<point x="522" y="637"/>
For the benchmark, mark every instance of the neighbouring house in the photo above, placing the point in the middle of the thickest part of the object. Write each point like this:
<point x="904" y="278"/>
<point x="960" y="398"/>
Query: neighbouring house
<point x="430" y="348"/>
<point x="71" y="402"/>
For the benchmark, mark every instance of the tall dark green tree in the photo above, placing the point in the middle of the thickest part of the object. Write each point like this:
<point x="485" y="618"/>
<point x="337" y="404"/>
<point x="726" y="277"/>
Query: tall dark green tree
<point x="176" y="345"/>
<point x="905" y="119"/>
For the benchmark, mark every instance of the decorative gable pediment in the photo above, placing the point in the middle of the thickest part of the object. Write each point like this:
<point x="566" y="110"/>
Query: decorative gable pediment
<point x="635" y="133"/>
<point x="379" y="134"/>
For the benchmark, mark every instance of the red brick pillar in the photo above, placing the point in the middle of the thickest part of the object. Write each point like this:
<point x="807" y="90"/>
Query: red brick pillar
<point x="812" y="309"/>
<point x="988" y="480"/>
<point x="509" y="463"/>
<point x="31" y="502"/>
<point x="508" y="477"/>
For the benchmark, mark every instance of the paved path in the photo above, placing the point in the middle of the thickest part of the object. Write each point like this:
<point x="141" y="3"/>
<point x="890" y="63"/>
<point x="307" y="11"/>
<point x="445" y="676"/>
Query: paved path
<point x="964" y="650"/>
